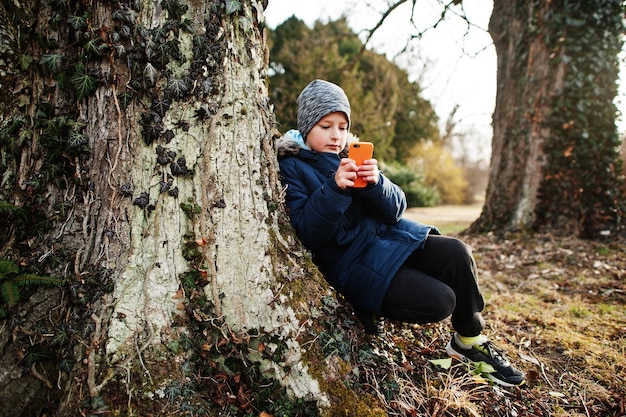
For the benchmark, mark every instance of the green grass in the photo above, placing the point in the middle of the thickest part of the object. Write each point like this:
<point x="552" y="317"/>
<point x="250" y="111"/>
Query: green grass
<point x="452" y="227"/>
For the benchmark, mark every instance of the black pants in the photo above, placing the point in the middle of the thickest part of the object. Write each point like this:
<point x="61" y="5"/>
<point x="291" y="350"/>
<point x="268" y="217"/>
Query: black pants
<point x="436" y="282"/>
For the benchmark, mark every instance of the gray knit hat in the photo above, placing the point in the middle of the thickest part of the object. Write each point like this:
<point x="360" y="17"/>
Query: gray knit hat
<point x="318" y="99"/>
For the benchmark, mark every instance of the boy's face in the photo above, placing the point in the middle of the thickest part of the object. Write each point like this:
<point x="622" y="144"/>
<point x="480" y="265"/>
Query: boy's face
<point x="330" y="134"/>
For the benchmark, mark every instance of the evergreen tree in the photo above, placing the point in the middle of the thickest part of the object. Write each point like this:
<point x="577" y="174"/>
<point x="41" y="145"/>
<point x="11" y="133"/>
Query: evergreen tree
<point x="388" y="108"/>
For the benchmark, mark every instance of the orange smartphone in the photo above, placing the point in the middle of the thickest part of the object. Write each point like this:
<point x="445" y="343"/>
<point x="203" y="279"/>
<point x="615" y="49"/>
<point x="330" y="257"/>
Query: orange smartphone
<point x="360" y="151"/>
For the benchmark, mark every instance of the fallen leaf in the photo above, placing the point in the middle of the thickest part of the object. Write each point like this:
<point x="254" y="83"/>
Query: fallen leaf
<point x="568" y="152"/>
<point x="442" y="363"/>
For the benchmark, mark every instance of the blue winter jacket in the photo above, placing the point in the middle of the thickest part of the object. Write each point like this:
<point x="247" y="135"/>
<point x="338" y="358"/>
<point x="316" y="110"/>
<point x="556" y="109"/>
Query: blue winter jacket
<point x="357" y="237"/>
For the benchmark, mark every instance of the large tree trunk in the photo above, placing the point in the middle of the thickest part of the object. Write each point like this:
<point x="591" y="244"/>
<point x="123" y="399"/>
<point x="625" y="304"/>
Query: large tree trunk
<point x="162" y="206"/>
<point x="554" y="161"/>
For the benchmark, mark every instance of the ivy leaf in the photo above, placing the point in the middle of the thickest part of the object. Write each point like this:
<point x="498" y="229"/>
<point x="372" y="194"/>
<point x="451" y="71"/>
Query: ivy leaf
<point x="177" y="87"/>
<point x="246" y="24"/>
<point x="142" y="201"/>
<point x="25" y="61"/>
<point x="123" y="15"/>
<point x="95" y="46"/>
<point x="232" y="6"/>
<point x="77" y="22"/>
<point x="76" y="139"/>
<point x="175" y="8"/>
<point x="174" y="346"/>
<point x="52" y="62"/>
<point x="84" y="84"/>
<point x="150" y="73"/>
<point x="179" y="167"/>
<point x="160" y="105"/>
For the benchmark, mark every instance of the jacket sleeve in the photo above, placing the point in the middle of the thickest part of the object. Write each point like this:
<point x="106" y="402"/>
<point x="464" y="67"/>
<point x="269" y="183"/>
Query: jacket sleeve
<point x="315" y="209"/>
<point x="385" y="200"/>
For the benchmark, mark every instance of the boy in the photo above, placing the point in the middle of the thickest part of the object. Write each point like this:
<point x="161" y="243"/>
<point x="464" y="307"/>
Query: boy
<point x="383" y="264"/>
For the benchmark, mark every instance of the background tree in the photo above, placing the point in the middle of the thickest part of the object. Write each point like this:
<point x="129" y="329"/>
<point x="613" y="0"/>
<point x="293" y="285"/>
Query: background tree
<point x="389" y="110"/>
<point x="297" y="54"/>
<point x="416" y="120"/>
<point x="555" y="163"/>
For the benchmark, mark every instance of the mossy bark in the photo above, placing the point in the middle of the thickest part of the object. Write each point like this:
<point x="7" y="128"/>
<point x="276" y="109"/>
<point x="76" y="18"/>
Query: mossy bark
<point x="554" y="164"/>
<point x="525" y="83"/>
<point x="162" y="202"/>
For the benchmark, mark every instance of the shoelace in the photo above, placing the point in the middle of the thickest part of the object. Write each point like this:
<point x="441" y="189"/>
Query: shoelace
<point x="380" y="324"/>
<point x="490" y="350"/>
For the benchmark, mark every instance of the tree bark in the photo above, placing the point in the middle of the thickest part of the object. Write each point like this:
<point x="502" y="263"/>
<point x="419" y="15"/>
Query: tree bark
<point x="525" y="83"/>
<point x="554" y="110"/>
<point x="165" y="219"/>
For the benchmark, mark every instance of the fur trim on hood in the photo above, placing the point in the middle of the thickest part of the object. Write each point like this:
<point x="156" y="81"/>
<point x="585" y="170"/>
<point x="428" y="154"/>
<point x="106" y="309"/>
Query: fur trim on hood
<point x="291" y="142"/>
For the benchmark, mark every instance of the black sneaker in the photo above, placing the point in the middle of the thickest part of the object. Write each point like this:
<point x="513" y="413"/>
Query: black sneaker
<point x="372" y="324"/>
<point x="484" y="351"/>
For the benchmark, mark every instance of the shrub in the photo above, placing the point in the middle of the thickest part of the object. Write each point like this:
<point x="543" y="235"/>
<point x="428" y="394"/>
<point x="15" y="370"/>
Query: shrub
<point x="412" y="183"/>
<point x="440" y="171"/>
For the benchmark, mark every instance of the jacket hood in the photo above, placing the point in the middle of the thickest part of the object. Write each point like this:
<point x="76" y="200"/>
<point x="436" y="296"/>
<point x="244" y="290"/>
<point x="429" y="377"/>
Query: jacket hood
<point x="292" y="142"/>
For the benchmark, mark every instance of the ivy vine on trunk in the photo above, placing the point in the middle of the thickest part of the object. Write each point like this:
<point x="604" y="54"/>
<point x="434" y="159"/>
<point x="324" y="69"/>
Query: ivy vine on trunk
<point x="555" y="160"/>
<point x="137" y="165"/>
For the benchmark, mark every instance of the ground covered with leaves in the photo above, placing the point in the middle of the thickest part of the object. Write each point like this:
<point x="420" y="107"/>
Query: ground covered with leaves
<point x="556" y="306"/>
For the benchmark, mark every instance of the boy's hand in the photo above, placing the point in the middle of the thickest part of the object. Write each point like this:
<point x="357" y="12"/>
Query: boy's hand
<point x="348" y="171"/>
<point x="369" y="171"/>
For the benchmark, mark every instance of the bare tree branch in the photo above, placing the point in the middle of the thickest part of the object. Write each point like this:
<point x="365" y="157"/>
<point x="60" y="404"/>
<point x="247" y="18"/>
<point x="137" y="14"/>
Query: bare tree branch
<point x="447" y="7"/>
<point x="382" y="19"/>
